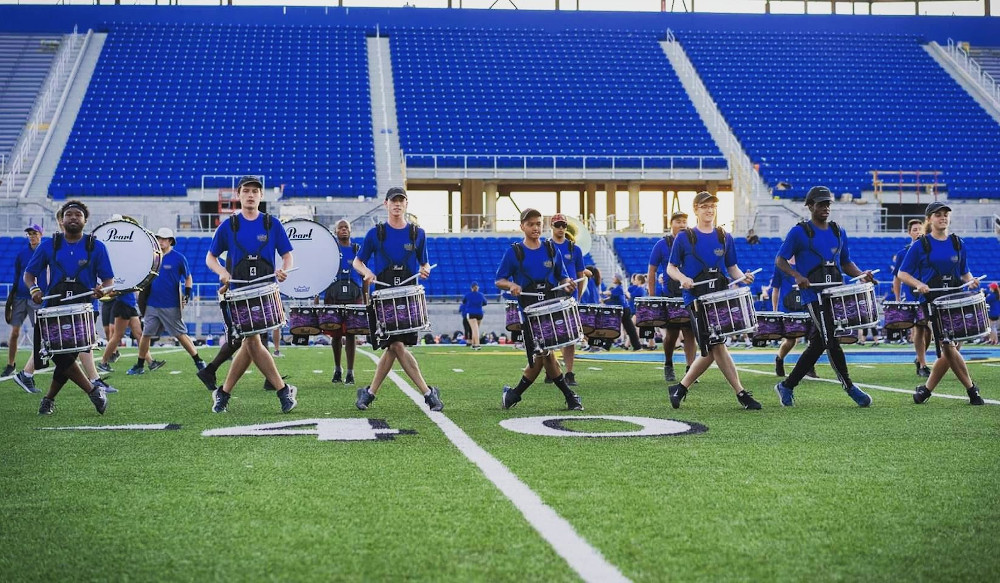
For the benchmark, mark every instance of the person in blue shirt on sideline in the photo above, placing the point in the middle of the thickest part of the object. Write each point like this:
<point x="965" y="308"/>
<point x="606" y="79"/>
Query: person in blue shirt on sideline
<point x="164" y="303"/>
<point x="617" y="295"/>
<point x="473" y="304"/>
<point x="921" y="333"/>
<point x="345" y="290"/>
<point x="592" y="294"/>
<point x="938" y="259"/>
<point x="76" y="264"/>
<point x="659" y="258"/>
<point x="534" y="266"/>
<point x="572" y="258"/>
<point x="706" y="253"/>
<point x="20" y="306"/>
<point x="250" y="239"/>
<point x="993" y="305"/>
<point x="398" y="251"/>
<point x="820" y="249"/>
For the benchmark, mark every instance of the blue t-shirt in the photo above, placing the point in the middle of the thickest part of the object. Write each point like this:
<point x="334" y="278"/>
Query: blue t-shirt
<point x="592" y="294"/>
<point x="20" y="263"/>
<point x="537" y="267"/>
<point x="617" y="297"/>
<point x="473" y="303"/>
<point x="250" y="239"/>
<point x="71" y="261"/>
<point x="347" y="272"/>
<point x="904" y="290"/>
<point x="810" y="254"/>
<point x="783" y="285"/>
<point x="128" y="299"/>
<point x="707" y="252"/>
<point x="164" y="291"/>
<point x="993" y="303"/>
<point x="397" y="249"/>
<point x="636" y="291"/>
<point x="572" y="260"/>
<point x="659" y="257"/>
<point x="942" y="260"/>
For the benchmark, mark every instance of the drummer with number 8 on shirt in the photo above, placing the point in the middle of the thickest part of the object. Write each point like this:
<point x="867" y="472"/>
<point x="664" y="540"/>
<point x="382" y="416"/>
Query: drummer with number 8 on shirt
<point x="939" y="260"/>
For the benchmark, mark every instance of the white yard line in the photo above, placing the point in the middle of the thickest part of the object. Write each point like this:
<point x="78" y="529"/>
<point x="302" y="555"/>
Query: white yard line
<point x="587" y="561"/>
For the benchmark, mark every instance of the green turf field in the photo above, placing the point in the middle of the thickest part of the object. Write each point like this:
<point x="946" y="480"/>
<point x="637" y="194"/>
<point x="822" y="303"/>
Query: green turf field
<point x="819" y="492"/>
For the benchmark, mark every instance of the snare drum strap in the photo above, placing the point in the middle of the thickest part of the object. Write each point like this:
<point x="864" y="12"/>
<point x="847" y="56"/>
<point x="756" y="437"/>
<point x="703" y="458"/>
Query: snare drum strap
<point x="69" y="283"/>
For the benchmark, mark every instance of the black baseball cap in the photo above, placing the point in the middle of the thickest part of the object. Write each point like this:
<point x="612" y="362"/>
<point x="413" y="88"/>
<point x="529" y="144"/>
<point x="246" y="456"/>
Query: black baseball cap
<point x="530" y="214"/>
<point x="395" y="192"/>
<point x="818" y="194"/>
<point x="249" y="180"/>
<point x="934" y="207"/>
<point x="703" y="197"/>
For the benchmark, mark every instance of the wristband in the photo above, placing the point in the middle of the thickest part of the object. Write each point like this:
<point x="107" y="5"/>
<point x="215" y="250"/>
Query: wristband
<point x="187" y="293"/>
<point x="33" y="289"/>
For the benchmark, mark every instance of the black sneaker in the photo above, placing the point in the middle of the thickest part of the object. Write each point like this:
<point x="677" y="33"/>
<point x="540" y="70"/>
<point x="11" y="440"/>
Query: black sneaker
<point x="668" y="373"/>
<point x="337" y="376"/>
<point x="573" y="402"/>
<point x="220" y="401"/>
<point x="571" y="380"/>
<point x="921" y="394"/>
<point x="200" y="364"/>
<point x="812" y="373"/>
<point x="47" y="406"/>
<point x="509" y="397"/>
<point x="115" y="356"/>
<point x="99" y="399"/>
<point x="974" y="397"/>
<point x="677" y="394"/>
<point x="548" y="380"/>
<point x="207" y="377"/>
<point x="433" y="399"/>
<point x="349" y="378"/>
<point x="916" y="363"/>
<point x="746" y="399"/>
<point x="923" y="371"/>
<point x="8" y="370"/>
<point x="779" y="366"/>
<point x="269" y="387"/>
<point x="287" y="398"/>
<point x="364" y="398"/>
<point x="104" y="367"/>
<point x="156" y="364"/>
<point x="25" y="382"/>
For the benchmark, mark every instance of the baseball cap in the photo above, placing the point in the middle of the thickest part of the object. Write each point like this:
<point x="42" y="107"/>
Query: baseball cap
<point x="558" y="218"/>
<point x="703" y="197"/>
<point x="395" y="192"/>
<point x="934" y="207"/>
<point x="678" y="215"/>
<point x="36" y="228"/>
<point x="249" y="180"/>
<point x="818" y="194"/>
<point x="529" y="214"/>
<point x="166" y="233"/>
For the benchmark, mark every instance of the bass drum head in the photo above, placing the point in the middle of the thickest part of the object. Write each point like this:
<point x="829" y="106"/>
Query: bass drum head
<point x="317" y="256"/>
<point x="134" y="253"/>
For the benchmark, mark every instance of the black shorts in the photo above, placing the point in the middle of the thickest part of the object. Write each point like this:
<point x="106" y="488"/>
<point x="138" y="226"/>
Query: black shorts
<point x="106" y="316"/>
<point x="410" y="339"/>
<point x="678" y="325"/>
<point x="124" y="311"/>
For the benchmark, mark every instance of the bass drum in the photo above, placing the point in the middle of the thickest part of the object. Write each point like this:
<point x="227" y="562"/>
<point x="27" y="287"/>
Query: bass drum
<point x="135" y="255"/>
<point x="317" y="255"/>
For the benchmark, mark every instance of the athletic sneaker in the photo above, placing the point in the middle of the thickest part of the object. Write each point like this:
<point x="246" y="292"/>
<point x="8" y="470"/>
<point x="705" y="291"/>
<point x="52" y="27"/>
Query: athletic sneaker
<point x="677" y="394"/>
<point x="349" y="378"/>
<point x="200" y="364"/>
<point x="137" y="369"/>
<point x="104" y="367"/>
<point x="573" y="402"/>
<point x="812" y="373"/>
<point x="668" y="373"/>
<point x="156" y="364"/>
<point x="108" y="389"/>
<point x="269" y="387"/>
<point x="99" y="399"/>
<point x="509" y="398"/>
<point x="25" y="382"/>
<point x="923" y="371"/>
<point x="779" y="366"/>
<point x="860" y="397"/>
<point x="337" y="376"/>
<point x="278" y="354"/>
<point x="364" y="398"/>
<point x="287" y="398"/>
<point x="974" y="397"/>
<point x="115" y="356"/>
<point x="921" y="395"/>
<point x="207" y="378"/>
<point x="8" y="370"/>
<point x="746" y="399"/>
<point x="220" y="400"/>
<point x="784" y="395"/>
<point x="433" y="399"/>
<point x="47" y="406"/>
<point x="570" y="379"/>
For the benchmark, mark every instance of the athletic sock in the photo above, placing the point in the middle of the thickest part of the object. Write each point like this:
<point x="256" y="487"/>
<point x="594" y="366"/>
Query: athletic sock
<point x="140" y="363"/>
<point x="522" y="385"/>
<point x="560" y="383"/>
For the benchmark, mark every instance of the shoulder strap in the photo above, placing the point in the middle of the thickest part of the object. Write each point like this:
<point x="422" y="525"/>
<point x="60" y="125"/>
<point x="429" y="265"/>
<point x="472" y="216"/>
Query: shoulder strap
<point x="234" y="222"/>
<point x="721" y="233"/>
<point x="956" y="242"/>
<point x="836" y="230"/>
<point x="57" y="239"/>
<point x="90" y="244"/>
<point x="551" y="248"/>
<point x="413" y="233"/>
<point x="668" y="239"/>
<point x="925" y="243"/>
<point x="355" y="247"/>
<point x="267" y="223"/>
<point x="518" y="251"/>
<point x="380" y="232"/>
<point x="691" y="236"/>
<point x="808" y="228"/>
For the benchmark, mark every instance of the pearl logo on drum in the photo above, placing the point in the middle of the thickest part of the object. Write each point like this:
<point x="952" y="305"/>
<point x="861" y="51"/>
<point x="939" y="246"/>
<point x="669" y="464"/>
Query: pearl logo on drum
<point x="113" y="236"/>
<point x="294" y="235"/>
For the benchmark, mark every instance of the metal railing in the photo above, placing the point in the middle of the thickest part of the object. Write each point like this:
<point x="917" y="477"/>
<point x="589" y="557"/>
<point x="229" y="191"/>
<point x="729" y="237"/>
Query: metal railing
<point x="559" y="166"/>
<point x="960" y="55"/>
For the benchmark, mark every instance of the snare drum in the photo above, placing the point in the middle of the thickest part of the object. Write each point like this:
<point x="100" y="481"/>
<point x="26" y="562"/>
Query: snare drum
<point x="770" y="326"/>
<point x="677" y="313"/>
<point x="554" y="323"/>
<point x="513" y="316"/>
<point x="651" y="312"/>
<point x="400" y="310"/>
<point x="729" y="312"/>
<point x="331" y="318"/>
<point x="67" y="328"/>
<point x="962" y="316"/>
<point x="355" y="319"/>
<point x="303" y="321"/>
<point x="797" y="324"/>
<point x="900" y="315"/>
<point x="853" y="306"/>
<point x="256" y="309"/>
<point x="600" y="321"/>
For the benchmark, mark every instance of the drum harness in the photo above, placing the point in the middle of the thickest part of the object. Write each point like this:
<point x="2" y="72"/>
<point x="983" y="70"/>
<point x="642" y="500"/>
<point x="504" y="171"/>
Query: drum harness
<point x="542" y="287"/>
<point x="251" y="265"/>
<point x="392" y="274"/>
<point x="673" y="286"/>
<point x="70" y="285"/>
<point x="825" y="272"/>
<point x="939" y="279"/>
<point x="344" y="289"/>
<point x="716" y="278"/>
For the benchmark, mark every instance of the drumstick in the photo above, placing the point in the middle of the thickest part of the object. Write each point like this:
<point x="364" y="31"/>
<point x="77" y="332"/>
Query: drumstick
<point x="754" y="272"/>
<point x="409" y="279"/>
<point x="563" y="286"/>
<point x="532" y="294"/>
<point x="79" y="295"/>
<point x="261" y="278"/>
<point x="941" y="289"/>
<point x="862" y="275"/>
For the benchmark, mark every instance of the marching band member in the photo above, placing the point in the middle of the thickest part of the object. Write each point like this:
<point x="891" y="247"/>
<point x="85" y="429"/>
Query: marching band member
<point x="346" y="289"/>
<point x="921" y="333"/>
<point x="659" y="258"/>
<point x="573" y="260"/>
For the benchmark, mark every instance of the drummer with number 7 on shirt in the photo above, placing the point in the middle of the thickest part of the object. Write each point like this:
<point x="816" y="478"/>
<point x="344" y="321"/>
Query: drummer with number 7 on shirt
<point x="820" y="249"/>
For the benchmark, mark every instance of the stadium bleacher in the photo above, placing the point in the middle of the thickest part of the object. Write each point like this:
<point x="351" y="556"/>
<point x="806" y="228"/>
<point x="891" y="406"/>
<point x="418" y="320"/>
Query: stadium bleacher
<point x="25" y="60"/>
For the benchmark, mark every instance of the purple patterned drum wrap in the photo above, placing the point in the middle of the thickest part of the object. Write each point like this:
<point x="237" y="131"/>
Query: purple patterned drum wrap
<point x="513" y="316"/>
<point x="400" y="310"/>
<point x="962" y="316"/>
<point x="729" y="312"/>
<point x="255" y="309"/>
<point x="331" y="318"/>
<point x="651" y="312"/>
<point x="853" y="306"/>
<point x="900" y="315"/>
<point x="676" y="312"/>
<point x="553" y="323"/>
<point x="797" y="325"/>
<point x="770" y="326"/>
<point x="303" y="321"/>
<point x="67" y="329"/>
<point x="356" y="319"/>
<point x="599" y="321"/>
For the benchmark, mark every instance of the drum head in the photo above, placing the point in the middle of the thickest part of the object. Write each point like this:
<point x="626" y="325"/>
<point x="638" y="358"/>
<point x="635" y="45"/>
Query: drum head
<point x="134" y="253"/>
<point x="317" y="255"/>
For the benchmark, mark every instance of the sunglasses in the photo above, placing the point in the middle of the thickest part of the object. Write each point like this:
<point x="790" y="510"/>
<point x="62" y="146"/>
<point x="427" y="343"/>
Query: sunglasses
<point x="560" y="225"/>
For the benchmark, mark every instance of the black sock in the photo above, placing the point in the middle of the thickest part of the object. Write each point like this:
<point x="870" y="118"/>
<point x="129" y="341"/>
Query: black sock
<point x="522" y="385"/>
<point x="560" y="383"/>
<point x="140" y="363"/>
<point x="196" y="358"/>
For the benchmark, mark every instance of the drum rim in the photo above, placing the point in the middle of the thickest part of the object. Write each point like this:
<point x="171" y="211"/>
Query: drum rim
<point x="851" y="288"/>
<point x="797" y="315"/>
<point x="243" y="293"/>
<point x="656" y="299"/>
<point x="392" y="293"/>
<point x="157" y="255"/>
<point x="537" y="308"/>
<point x="600" y="307"/>
<point x="726" y="294"/>
<point x="65" y="310"/>
<point x="943" y="302"/>
<point x="902" y="303"/>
